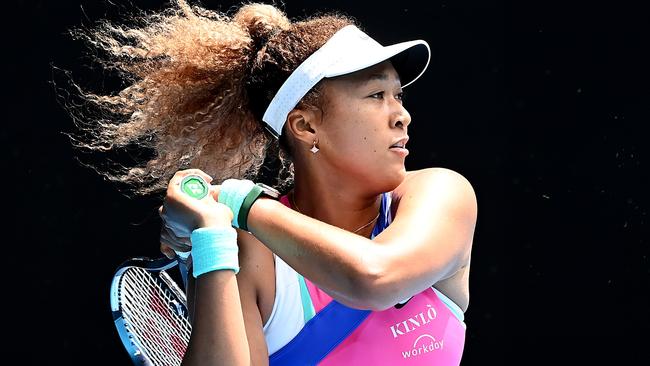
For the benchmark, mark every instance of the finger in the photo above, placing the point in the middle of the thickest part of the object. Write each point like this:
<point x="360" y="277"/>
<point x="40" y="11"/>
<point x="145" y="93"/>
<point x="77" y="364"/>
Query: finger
<point x="164" y="217"/>
<point x="176" y="230"/>
<point x="178" y="243"/>
<point x="167" y="251"/>
<point x="214" y="191"/>
<point x="198" y="172"/>
<point x="169" y="248"/>
<point x="178" y="239"/>
<point x="162" y="211"/>
<point x="176" y="181"/>
<point x="169" y="238"/>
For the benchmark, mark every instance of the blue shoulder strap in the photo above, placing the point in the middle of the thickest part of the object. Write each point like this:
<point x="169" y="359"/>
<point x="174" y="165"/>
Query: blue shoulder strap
<point x="330" y="326"/>
<point x="320" y="335"/>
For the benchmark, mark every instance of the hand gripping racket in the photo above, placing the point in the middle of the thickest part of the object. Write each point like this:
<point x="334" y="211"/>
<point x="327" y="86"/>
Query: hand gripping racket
<point x="149" y="309"/>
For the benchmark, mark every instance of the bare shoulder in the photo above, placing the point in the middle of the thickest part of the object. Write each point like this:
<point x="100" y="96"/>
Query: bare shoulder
<point x="436" y="190"/>
<point x="449" y="191"/>
<point x="439" y="184"/>
<point x="426" y="175"/>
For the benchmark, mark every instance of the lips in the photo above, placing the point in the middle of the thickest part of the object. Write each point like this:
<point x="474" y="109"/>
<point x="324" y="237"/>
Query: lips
<point x="399" y="146"/>
<point x="400" y="143"/>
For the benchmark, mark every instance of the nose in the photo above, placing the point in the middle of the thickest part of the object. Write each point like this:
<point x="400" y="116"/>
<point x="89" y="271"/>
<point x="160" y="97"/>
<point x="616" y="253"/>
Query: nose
<point x="401" y="117"/>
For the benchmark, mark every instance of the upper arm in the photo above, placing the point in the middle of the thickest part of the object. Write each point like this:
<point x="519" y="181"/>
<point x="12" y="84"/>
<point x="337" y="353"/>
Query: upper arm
<point x="254" y="268"/>
<point x="430" y="237"/>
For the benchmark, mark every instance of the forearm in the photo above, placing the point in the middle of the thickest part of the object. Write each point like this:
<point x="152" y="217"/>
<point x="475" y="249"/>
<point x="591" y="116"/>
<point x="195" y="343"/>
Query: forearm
<point x="339" y="262"/>
<point x="218" y="332"/>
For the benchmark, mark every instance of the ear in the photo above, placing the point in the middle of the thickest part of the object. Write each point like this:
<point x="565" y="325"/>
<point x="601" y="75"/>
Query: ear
<point x="303" y="124"/>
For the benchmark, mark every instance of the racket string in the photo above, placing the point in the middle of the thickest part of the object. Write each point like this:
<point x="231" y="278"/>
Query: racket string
<point x="152" y="316"/>
<point x="155" y="327"/>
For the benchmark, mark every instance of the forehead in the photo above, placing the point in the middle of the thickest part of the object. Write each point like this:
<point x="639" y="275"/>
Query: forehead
<point x="383" y="71"/>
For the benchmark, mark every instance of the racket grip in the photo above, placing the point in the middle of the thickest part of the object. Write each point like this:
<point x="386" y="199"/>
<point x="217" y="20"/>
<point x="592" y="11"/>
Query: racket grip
<point x="194" y="186"/>
<point x="181" y="259"/>
<point x="182" y="255"/>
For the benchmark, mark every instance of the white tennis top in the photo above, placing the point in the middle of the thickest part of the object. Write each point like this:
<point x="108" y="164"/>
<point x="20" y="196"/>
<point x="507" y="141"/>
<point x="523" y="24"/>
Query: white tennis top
<point x="287" y="318"/>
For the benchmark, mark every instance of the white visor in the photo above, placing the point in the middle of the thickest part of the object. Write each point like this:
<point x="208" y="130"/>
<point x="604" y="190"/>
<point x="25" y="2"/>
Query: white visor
<point x="348" y="50"/>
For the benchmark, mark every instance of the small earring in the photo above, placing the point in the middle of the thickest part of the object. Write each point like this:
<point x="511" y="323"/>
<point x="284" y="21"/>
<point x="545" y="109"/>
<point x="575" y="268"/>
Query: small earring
<point x="314" y="149"/>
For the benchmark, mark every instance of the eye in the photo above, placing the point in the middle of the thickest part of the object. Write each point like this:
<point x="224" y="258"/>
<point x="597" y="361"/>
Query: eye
<point x="400" y="96"/>
<point x="378" y="95"/>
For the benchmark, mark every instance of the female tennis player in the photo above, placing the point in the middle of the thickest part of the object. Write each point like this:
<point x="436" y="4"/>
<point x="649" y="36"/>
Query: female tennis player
<point x="352" y="259"/>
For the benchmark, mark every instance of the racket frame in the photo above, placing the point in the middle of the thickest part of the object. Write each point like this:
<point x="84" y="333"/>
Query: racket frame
<point x="157" y="266"/>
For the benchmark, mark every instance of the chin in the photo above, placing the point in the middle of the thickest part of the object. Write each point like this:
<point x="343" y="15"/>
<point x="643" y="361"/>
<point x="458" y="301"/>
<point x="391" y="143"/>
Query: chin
<point x="393" y="178"/>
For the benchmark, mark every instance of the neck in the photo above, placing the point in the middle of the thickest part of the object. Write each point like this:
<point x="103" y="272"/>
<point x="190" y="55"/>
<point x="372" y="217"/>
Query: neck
<point x="336" y="200"/>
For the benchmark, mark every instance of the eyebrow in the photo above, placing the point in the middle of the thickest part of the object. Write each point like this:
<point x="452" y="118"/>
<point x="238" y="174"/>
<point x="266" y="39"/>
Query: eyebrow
<point x="377" y="76"/>
<point x="382" y="76"/>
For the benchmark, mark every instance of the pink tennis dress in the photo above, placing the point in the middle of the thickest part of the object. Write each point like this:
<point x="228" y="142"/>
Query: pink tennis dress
<point x="424" y="331"/>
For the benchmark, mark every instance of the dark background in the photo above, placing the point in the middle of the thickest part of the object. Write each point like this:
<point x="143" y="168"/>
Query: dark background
<point x="542" y="105"/>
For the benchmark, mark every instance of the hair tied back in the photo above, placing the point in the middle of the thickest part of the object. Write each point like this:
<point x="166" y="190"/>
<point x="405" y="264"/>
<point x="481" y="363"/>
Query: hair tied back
<point x="262" y="22"/>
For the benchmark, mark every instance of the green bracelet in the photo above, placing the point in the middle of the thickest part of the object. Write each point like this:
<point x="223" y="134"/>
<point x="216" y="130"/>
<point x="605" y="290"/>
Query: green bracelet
<point x="242" y="218"/>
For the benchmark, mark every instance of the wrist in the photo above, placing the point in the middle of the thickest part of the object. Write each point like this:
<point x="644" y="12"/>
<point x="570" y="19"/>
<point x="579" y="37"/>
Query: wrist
<point x="258" y="213"/>
<point x="213" y="249"/>
<point x="232" y="193"/>
<point x="212" y="221"/>
<point x="240" y="195"/>
<point x="248" y="202"/>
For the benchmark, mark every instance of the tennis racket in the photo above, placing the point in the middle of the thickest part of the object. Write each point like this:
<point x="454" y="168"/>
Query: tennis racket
<point x="149" y="309"/>
<point x="150" y="312"/>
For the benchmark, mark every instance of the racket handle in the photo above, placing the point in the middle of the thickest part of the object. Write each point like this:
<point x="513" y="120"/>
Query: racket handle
<point x="197" y="187"/>
<point x="194" y="186"/>
<point x="182" y="266"/>
<point x="182" y="255"/>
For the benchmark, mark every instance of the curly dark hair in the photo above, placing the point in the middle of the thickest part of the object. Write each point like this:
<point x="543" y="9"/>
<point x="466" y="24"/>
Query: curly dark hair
<point x="197" y="83"/>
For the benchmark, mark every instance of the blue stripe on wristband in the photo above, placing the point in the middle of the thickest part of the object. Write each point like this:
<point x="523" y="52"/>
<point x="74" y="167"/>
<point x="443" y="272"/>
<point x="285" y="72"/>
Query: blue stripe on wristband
<point x="213" y="249"/>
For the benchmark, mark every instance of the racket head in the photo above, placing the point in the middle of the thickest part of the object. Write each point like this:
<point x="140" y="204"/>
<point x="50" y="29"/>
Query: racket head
<point x="150" y="311"/>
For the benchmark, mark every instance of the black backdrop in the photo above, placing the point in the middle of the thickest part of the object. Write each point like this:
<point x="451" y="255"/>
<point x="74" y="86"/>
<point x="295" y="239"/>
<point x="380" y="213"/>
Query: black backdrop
<point x="543" y="106"/>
